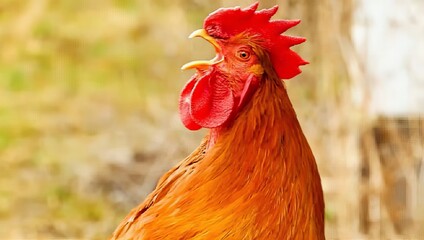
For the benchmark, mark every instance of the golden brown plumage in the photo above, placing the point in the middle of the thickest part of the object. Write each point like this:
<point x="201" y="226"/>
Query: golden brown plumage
<point x="253" y="177"/>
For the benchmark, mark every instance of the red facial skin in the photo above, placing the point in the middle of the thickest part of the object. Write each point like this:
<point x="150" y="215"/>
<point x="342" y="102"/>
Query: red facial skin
<point x="213" y="96"/>
<point x="216" y="94"/>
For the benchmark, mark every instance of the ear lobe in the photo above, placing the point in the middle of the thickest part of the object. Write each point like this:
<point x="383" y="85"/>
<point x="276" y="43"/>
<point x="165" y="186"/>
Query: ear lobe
<point x="249" y="88"/>
<point x="212" y="102"/>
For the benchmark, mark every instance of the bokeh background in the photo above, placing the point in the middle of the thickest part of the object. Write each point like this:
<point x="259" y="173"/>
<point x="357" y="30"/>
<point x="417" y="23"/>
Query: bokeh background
<point x="89" y="122"/>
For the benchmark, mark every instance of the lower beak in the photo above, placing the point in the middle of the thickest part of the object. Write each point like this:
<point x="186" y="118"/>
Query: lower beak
<point x="204" y="64"/>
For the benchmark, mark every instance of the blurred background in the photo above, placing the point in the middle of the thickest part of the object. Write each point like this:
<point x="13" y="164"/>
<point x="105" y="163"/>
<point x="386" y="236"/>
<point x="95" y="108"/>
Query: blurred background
<point x="89" y="121"/>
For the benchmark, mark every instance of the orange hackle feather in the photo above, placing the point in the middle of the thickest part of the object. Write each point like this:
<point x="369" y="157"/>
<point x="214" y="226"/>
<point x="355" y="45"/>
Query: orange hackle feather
<point x="252" y="178"/>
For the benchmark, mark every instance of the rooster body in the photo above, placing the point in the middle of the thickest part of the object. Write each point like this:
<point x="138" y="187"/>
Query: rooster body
<point x="253" y="176"/>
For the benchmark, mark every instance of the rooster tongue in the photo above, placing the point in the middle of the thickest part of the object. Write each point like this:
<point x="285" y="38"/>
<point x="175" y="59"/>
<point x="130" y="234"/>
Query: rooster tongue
<point x="205" y="64"/>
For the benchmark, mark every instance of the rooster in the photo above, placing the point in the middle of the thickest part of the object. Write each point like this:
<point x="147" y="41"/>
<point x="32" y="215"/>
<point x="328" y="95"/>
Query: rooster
<point x="254" y="175"/>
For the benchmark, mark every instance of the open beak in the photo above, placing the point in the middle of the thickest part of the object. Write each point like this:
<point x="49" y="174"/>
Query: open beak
<point x="204" y="64"/>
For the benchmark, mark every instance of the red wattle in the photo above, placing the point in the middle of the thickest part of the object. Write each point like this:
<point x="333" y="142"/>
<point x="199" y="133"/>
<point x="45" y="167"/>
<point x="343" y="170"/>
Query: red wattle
<point x="212" y="101"/>
<point x="184" y="105"/>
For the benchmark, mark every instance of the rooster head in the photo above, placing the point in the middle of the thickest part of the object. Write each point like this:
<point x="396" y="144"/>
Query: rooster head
<point x="248" y="45"/>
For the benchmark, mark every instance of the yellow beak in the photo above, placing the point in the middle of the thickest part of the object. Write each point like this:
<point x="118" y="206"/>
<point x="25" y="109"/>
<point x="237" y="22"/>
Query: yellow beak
<point x="204" y="64"/>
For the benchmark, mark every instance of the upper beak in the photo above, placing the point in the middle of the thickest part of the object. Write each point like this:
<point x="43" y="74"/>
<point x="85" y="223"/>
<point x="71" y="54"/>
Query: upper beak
<point x="204" y="64"/>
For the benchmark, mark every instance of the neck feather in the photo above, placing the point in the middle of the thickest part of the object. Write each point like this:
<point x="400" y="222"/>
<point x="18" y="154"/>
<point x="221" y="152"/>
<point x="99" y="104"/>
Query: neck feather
<point x="262" y="158"/>
<point x="261" y="164"/>
<point x="268" y="118"/>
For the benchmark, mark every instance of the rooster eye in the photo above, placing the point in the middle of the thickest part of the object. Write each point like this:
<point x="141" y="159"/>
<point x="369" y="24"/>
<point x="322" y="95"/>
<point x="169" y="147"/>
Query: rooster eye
<point x="243" y="55"/>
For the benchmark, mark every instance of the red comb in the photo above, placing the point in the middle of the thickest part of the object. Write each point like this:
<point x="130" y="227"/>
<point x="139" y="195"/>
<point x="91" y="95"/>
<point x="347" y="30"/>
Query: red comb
<point x="228" y="22"/>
